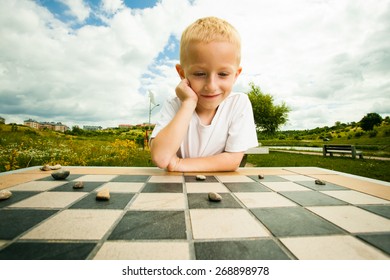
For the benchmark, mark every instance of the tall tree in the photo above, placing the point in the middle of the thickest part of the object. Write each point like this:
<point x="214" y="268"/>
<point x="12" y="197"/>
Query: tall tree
<point x="370" y="120"/>
<point x="268" y="116"/>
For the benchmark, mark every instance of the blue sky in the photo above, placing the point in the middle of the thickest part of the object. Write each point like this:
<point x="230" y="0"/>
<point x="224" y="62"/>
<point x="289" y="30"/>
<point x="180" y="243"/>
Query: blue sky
<point x="92" y="62"/>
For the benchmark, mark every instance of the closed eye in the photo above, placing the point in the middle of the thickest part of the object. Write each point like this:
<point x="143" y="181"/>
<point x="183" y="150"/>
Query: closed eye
<point x="224" y="74"/>
<point x="199" y="74"/>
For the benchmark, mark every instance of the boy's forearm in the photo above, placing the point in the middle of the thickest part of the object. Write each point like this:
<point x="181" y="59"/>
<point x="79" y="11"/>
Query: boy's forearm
<point x="167" y="142"/>
<point x="221" y="162"/>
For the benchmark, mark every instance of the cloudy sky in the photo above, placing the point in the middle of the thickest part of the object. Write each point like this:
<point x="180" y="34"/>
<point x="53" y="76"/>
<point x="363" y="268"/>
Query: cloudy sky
<point x="92" y="62"/>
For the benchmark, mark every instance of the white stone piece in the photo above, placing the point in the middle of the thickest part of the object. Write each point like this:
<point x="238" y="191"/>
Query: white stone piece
<point x="78" y="185"/>
<point x="214" y="197"/>
<point x="103" y="194"/>
<point x="46" y="167"/>
<point x="5" y="194"/>
<point x="200" y="177"/>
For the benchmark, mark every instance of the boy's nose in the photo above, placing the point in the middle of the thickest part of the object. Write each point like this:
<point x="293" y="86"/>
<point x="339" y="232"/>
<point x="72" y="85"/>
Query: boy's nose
<point x="211" y="84"/>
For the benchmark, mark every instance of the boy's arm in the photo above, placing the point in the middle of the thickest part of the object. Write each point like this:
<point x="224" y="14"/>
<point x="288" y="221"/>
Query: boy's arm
<point x="167" y="142"/>
<point x="225" y="161"/>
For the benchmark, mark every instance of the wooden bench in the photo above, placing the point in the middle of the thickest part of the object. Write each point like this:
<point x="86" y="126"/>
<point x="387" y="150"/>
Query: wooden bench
<point x="341" y="149"/>
<point x="254" y="151"/>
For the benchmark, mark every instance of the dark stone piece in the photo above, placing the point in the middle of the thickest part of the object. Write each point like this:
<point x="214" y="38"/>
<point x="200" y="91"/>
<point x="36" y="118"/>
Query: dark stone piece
<point x="60" y="175"/>
<point x="320" y="182"/>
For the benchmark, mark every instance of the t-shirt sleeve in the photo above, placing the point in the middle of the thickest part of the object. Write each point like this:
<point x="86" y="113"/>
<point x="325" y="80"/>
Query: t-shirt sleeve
<point x="242" y="129"/>
<point x="167" y="112"/>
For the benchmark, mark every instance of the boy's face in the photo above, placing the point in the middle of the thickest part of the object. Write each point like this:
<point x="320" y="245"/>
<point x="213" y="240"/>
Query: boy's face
<point x="211" y="69"/>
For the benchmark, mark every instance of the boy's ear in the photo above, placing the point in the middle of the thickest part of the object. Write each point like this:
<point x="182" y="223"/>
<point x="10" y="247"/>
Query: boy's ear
<point x="239" y="69"/>
<point x="180" y="71"/>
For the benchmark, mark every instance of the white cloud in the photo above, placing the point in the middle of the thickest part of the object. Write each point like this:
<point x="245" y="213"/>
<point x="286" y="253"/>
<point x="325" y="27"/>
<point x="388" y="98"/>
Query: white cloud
<point x="328" y="60"/>
<point x="77" y="9"/>
<point x="112" y="6"/>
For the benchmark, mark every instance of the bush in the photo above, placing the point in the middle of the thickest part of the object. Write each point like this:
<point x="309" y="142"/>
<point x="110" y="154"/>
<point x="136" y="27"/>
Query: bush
<point x="373" y="133"/>
<point x="358" y="134"/>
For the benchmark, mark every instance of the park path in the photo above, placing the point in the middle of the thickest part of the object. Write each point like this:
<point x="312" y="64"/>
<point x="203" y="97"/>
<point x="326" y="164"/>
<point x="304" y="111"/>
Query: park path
<point x="320" y="154"/>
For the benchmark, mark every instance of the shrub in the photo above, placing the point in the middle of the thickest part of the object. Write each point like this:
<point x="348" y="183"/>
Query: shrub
<point x="373" y="133"/>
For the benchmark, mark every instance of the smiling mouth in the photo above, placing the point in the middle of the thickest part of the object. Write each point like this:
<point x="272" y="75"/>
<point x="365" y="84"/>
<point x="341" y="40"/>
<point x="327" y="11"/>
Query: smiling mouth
<point x="211" y="96"/>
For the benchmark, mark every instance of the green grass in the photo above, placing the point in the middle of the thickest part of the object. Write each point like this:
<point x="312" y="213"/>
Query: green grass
<point x="29" y="147"/>
<point x="375" y="169"/>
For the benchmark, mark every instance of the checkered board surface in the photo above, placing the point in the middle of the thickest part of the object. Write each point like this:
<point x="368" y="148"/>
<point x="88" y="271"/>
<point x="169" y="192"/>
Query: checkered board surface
<point x="170" y="217"/>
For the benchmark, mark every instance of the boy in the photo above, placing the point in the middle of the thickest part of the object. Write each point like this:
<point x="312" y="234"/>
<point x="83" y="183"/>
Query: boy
<point x="206" y="127"/>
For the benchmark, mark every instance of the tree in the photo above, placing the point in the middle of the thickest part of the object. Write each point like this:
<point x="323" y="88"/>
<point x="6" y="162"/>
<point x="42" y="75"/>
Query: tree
<point x="268" y="117"/>
<point x="370" y="120"/>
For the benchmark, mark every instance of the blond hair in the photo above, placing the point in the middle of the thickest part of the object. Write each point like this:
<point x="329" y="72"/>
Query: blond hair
<point x="206" y="30"/>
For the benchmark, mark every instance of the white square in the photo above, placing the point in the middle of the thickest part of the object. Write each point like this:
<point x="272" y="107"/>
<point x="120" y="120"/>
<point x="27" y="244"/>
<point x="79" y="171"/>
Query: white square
<point x="225" y="223"/>
<point x="96" y="178"/>
<point x="296" y="178"/>
<point x="166" y="179"/>
<point x="263" y="199"/>
<point x="49" y="200"/>
<point x="336" y="247"/>
<point x="159" y="201"/>
<point x="122" y="187"/>
<point x="234" y="179"/>
<point x="355" y="197"/>
<point x="75" y="224"/>
<point x="284" y="186"/>
<point x="143" y="251"/>
<point x="206" y="188"/>
<point x="353" y="219"/>
<point x="38" y="186"/>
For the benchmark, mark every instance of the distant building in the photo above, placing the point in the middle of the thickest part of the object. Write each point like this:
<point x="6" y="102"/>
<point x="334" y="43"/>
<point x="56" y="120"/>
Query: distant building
<point x="129" y="126"/>
<point x="2" y="120"/>
<point x="134" y="126"/>
<point x="92" y="127"/>
<point x="46" y="125"/>
<point x="32" y="123"/>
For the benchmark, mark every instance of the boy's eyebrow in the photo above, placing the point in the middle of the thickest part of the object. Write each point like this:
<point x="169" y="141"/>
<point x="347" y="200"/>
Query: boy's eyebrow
<point x="204" y="65"/>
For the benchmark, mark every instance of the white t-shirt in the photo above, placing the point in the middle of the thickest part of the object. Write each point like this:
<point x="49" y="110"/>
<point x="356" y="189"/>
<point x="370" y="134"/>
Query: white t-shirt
<point x="232" y="128"/>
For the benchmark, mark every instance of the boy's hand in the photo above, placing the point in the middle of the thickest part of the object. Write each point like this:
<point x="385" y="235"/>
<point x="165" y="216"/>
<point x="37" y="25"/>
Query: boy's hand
<point x="185" y="92"/>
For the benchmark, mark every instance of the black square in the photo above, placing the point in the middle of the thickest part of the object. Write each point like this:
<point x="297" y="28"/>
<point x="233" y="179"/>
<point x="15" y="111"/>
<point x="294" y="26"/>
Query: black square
<point x="131" y="178"/>
<point x="16" y="221"/>
<point x="268" y="178"/>
<point x="382" y="210"/>
<point x="68" y="187"/>
<point x="312" y="198"/>
<point x="46" y="251"/>
<point x="246" y="187"/>
<point x="163" y="188"/>
<point x="201" y="200"/>
<point x="327" y="187"/>
<point x="71" y="177"/>
<point x="116" y="201"/>
<point x="264" y="249"/>
<point x="192" y="179"/>
<point x="379" y="240"/>
<point x="139" y="225"/>
<point x="294" y="221"/>
<point x="16" y="197"/>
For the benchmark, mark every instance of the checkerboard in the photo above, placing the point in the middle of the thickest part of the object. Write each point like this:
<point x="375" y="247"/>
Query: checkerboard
<point x="168" y="216"/>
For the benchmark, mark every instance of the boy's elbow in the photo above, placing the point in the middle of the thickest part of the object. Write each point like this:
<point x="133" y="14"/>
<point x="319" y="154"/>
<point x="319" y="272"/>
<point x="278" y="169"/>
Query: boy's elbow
<point x="160" y="162"/>
<point x="232" y="167"/>
<point x="158" y="159"/>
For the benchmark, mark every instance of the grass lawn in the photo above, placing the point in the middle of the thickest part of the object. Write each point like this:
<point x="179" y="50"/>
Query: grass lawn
<point x="375" y="169"/>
